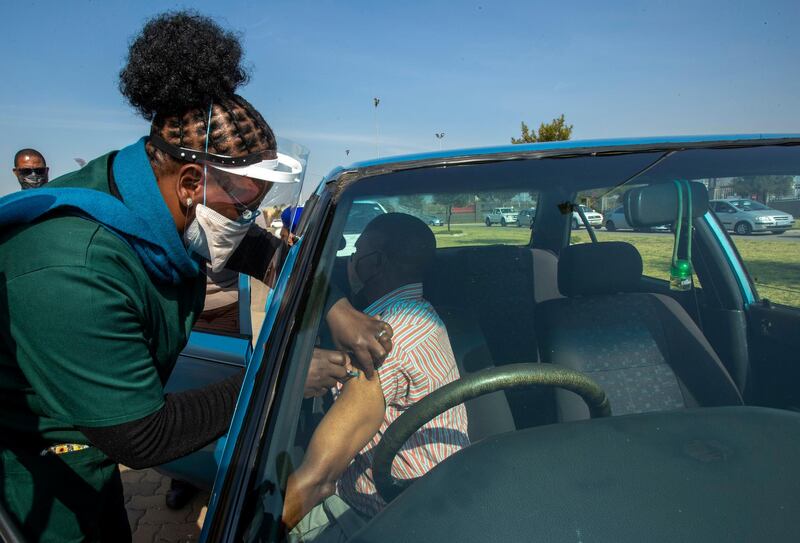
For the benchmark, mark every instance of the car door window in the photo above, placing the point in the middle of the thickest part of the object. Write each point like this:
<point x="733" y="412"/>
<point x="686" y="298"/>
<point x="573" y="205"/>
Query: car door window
<point x="457" y="220"/>
<point x="770" y="249"/>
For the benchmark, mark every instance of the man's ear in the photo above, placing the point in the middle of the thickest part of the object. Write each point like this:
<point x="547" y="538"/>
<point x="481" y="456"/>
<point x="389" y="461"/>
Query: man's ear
<point x="190" y="183"/>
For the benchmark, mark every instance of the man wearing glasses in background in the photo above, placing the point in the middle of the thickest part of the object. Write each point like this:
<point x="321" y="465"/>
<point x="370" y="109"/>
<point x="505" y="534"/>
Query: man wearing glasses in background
<point x="30" y="168"/>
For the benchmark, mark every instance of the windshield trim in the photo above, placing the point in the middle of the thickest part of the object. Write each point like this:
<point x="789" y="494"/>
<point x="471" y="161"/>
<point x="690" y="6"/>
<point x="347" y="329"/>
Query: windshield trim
<point x="339" y="179"/>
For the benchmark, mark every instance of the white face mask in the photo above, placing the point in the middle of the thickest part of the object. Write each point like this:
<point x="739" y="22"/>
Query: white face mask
<point x="213" y="236"/>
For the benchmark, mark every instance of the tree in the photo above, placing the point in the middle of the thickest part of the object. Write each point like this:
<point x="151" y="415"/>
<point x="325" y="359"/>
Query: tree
<point x="763" y="185"/>
<point x="502" y="197"/>
<point x="412" y="202"/>
<point x="450" y="201"/>
<point x="555" y="130"/>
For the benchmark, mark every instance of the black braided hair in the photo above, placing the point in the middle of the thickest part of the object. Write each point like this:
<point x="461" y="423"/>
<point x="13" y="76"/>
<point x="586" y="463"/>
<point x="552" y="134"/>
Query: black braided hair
<point x="180" y="65"/>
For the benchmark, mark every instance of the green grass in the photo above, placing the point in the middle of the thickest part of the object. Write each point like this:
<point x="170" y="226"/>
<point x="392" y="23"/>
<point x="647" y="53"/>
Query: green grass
<point x="473" y="234"/>
<point x="774" y="266"/>
<point x="773" y="263"/>
<point x="655" y="248"/>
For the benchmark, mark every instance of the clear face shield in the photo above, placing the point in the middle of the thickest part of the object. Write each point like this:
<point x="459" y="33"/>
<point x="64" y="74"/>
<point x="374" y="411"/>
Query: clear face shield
<point x="235" y="196"/>
<point x="236" y="190"/>
<point x="241" y="194"/>
<point x="284" y="201"/>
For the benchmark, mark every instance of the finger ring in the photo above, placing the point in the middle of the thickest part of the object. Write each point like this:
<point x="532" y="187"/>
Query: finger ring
<point x="380" y="334"/>
<point x="353" y="373"/>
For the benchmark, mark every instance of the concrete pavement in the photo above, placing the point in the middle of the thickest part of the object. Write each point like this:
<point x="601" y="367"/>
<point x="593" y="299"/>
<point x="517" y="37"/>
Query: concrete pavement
<point x="150" y="519"/>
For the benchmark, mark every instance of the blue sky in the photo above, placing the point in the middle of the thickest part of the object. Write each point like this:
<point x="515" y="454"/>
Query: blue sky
<point x="472" y="70"/>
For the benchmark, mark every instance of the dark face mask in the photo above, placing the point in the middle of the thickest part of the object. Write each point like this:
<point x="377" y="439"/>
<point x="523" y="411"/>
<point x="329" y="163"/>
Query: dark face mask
<point x="357" y="280"/>
<point x="32" y="180"/>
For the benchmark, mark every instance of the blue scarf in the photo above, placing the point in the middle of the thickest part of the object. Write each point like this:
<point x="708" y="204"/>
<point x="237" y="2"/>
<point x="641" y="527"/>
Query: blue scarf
<point x="146" y="225"/>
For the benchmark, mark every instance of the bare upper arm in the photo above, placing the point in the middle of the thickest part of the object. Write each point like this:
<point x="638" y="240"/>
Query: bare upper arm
<point x="349" y="424"/>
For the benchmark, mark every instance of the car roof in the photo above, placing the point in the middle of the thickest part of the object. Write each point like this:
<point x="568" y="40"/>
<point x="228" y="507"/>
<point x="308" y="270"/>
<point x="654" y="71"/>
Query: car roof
<point x="342" y="177"/>
<point x="564" y="147"/>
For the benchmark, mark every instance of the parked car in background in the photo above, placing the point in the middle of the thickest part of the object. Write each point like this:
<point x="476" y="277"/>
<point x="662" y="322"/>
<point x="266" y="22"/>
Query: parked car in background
<point x="594" y="218"/>
<point x="526" y="217"/>
<point x="744" y="216"/>
<point x="615" y="220"/>
<point x="501" y="216"/>
<point x="432" y="220"/>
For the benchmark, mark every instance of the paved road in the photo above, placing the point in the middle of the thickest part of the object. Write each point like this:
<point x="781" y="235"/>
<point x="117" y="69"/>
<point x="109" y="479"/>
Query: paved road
<point x="150" y="519"/>
<point x="792" y="236"/>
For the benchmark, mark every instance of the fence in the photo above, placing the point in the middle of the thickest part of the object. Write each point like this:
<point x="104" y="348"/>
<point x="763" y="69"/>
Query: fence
<point x="788" y="206"/>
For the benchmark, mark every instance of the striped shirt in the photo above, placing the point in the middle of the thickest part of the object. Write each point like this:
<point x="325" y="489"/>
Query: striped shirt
<point x="421" y="361"/>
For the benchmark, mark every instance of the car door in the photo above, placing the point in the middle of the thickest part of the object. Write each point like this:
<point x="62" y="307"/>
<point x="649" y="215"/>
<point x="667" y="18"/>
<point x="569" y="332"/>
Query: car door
<point x="726" y="214"/>
<point x="259" y="394"/>
<point x="769" y="275"/>
<point x="211" y="355"/>
<point x="762" y="317"/>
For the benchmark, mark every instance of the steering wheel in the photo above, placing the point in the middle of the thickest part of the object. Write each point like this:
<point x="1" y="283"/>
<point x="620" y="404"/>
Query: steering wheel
<point x="469" y="387"/>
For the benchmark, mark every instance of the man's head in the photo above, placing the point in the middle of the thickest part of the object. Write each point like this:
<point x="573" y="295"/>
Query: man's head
<point x="395" y="249"/>
<point x="30" y="168"/>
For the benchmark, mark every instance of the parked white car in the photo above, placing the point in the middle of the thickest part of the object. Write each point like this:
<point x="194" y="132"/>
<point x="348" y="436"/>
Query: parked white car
<point x="615" y="220"/>
<point x="744" y="216"/>
<point x="594" y="218"/>
<point x="501" y="216"/>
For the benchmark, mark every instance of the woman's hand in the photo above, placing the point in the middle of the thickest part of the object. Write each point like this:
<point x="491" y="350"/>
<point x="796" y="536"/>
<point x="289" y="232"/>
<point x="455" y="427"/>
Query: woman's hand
<point x="369" y="339"/>
<point x="327" y="367"/>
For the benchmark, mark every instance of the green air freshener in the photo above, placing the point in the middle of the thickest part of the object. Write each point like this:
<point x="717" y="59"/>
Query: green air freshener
<point x="680" y="275"/>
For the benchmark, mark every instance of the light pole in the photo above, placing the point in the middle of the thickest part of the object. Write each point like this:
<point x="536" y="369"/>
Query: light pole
<point x="376" y="101"/>
<point x="440" y="137"/>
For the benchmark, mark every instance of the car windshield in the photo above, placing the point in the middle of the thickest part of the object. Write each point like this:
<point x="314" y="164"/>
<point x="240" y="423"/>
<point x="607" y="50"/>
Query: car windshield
<point x="749" y="205"/>
<point x="477" y="297"/>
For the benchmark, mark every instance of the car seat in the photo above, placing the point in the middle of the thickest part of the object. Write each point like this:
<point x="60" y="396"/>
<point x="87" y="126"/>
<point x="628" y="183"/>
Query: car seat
<point x="642" y="348"/>
<point x="486" y="297"/>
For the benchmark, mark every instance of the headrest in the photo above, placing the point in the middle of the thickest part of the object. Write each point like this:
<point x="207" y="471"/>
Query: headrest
<point x="599" y="268"/>
<point x="655" y="205"/>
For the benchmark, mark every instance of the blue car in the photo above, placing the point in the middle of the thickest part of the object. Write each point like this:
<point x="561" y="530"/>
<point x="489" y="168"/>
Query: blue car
<point x="671" y="418"/>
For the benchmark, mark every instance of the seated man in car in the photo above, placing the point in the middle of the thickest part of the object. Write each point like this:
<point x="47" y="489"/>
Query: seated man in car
<point x="333" y="490"/>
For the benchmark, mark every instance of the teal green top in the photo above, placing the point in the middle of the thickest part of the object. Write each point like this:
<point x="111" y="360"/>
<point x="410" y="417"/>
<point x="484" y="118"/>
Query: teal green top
<point x="87" y="338"/>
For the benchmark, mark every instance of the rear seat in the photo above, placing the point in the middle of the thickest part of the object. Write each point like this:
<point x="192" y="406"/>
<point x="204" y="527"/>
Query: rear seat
<point x="487" y="298"/>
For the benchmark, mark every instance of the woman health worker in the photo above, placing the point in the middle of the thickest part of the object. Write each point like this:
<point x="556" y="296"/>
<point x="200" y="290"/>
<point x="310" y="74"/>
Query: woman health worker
<point x="100" y="286"/>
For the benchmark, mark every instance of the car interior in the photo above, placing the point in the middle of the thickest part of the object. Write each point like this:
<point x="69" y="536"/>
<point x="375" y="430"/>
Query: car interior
<point x="505" y="304"/>
<point x="585" y="306"/>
